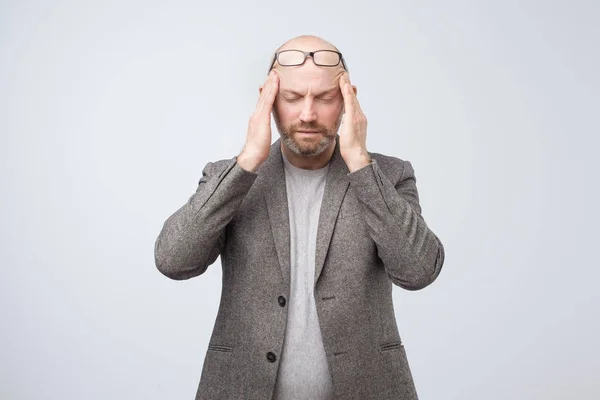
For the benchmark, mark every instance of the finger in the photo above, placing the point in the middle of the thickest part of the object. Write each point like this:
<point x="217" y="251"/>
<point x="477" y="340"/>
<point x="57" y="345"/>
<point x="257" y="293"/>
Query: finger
<point x="271" y="94"/>
<point x="265" y="85"/>
<point x="267" y="97"/>
<point x="347" y="93"/>
<point x="357" y="106"/>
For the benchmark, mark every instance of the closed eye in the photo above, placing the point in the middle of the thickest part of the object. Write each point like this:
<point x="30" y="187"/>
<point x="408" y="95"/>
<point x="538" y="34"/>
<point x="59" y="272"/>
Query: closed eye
<point x="326" y="99"/>
<point x="328" y="96"/>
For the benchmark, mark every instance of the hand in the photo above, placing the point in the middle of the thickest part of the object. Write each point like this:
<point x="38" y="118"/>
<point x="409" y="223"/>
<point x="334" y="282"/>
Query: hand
<point x="353" y="131"/>
<point x="258" y="139"/>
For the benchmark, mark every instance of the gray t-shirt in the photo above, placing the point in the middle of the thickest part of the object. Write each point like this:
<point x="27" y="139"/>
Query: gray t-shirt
<point x="303" y="370"/>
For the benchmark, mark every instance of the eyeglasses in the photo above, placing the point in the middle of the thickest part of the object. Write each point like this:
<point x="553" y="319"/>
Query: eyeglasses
<point x="323" y="58"/>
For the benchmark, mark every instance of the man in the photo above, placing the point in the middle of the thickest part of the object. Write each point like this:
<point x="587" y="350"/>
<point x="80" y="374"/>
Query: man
<point x="312" y="231"/>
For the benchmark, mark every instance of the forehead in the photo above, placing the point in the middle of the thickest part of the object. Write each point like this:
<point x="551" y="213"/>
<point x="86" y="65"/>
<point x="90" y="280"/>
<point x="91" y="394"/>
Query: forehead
<point x="308" y="77"/>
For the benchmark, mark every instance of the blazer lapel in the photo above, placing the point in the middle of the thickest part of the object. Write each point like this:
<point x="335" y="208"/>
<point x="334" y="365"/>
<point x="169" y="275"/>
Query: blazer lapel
<point x="335" y="188"/>
<point x="277" y="205"/>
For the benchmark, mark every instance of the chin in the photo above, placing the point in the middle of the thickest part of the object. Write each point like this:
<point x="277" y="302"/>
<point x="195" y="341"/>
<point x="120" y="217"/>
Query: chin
<point x="307" y="148"/>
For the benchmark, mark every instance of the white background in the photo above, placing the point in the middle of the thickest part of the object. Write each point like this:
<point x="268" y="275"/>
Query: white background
<point x="109" y="110"/>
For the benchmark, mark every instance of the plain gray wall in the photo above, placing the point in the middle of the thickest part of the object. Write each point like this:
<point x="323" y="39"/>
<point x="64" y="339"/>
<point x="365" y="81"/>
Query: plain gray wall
<point x="109" y="110"/>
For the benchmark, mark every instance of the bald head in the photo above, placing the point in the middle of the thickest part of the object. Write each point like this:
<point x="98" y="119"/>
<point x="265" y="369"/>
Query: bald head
<point x="307" y="40"/>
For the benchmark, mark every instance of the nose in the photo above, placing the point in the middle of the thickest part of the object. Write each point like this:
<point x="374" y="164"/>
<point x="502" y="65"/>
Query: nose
<point x="308" y="113"/>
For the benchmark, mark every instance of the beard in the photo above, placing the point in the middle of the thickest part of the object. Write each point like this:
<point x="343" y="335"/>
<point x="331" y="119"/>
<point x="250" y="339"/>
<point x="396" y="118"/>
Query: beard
<point x="311" y="145"/>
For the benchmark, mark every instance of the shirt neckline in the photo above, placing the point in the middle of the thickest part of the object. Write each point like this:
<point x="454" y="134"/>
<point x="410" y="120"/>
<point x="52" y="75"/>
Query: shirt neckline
<point x="307" y="172"/>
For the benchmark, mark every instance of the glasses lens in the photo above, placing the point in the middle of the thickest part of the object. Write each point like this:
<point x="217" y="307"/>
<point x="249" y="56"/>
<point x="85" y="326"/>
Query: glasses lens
<point x="326" y="57"/>
<point x="290" y="57"/>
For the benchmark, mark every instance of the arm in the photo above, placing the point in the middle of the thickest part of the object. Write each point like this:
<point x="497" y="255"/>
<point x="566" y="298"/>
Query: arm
<point x="193" y="237"/>
<point x="411" y="253"/>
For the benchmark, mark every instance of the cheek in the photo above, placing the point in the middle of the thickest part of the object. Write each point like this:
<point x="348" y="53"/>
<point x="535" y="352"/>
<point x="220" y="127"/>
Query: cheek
<point x="329" y="113"/>
<point x="287" y="111"/>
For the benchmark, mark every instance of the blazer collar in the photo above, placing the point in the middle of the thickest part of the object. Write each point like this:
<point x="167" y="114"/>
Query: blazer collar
<point x="275" y="196"/>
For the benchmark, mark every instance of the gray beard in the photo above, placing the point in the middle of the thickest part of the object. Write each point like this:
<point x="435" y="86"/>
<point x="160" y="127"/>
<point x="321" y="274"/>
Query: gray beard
<point x="312" y="152"/>
<point x="293" y="145"/>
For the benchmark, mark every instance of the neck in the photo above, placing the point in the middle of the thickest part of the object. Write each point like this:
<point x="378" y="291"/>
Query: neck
<point x="309" y="162"/>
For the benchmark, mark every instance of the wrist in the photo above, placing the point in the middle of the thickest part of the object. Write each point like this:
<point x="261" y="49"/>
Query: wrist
<point x="248" y="163"/>
<point x="359" y="161"/>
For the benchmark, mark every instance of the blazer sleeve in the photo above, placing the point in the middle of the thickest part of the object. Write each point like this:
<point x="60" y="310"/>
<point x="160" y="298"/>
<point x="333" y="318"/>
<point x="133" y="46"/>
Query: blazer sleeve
<point x="192" y="238"/>
<point x="411" y="253"/>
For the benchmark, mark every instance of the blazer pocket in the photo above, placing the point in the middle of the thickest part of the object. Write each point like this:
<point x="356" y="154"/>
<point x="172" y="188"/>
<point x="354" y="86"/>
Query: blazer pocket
<point x="395" y="345"/>
<point x="216" y="347"/>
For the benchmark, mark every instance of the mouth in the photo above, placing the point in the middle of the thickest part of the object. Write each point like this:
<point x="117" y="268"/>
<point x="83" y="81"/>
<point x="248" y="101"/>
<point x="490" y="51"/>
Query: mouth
<point x="307" y="131"/>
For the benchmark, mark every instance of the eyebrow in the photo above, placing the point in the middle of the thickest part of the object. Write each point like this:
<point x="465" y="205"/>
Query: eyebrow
<point x="327" y="91"/>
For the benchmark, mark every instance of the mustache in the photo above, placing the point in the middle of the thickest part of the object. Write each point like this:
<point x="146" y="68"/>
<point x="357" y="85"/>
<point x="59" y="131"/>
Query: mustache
<point x="310" y="126"/>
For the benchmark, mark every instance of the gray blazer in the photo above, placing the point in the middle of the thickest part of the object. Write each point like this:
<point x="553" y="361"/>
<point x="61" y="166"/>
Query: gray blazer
<point x="370" y="235"/>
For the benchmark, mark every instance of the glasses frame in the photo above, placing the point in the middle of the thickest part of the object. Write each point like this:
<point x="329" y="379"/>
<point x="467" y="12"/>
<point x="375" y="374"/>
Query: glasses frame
<point x="306" y="54"/>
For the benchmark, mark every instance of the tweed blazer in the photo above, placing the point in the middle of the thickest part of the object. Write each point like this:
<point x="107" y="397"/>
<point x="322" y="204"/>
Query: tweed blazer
<point x="371" y="235"/>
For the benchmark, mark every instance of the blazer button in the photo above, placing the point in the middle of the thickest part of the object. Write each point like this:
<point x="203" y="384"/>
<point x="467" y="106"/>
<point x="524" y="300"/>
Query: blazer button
<point x="281" y="301"/>
<point x="271" y="357"/>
